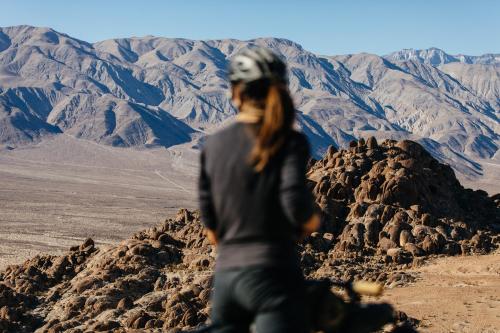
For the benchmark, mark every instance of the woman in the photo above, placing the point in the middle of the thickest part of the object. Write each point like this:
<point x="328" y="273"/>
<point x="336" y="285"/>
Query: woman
<point x="255" y="204"/>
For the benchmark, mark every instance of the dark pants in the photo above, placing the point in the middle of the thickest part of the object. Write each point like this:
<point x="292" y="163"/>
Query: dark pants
<point x="270" y="297"/>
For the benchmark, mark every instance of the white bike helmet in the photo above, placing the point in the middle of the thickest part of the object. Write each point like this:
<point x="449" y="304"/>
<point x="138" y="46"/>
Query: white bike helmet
<point x="256" y="63"/>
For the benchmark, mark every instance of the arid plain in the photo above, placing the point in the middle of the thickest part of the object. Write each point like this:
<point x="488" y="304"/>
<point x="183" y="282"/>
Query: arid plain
<point x="54" y="195"/>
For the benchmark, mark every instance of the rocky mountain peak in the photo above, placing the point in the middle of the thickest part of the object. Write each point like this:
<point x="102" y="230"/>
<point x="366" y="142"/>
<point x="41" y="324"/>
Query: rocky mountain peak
<point x="53" y="83"/>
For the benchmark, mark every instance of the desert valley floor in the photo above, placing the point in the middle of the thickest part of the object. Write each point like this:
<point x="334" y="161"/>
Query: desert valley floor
<point x="54" y="195"/>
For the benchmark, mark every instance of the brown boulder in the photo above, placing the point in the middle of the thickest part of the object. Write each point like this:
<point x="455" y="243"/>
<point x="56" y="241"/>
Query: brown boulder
<point x="88" y="244"/>
<point x="86" y="283"/>
<point x="428" y="220"/>
<point x="429" y="245"/>
<point x="372" y="230"/>
<point x="384" y="244"/>
<point x="109" y="325"/>
<point x="371" y="143"/>
<point x="413" y="249"/>
<point x="330" y="151"/>
<point x="413" y="149"/>
<point x="405" y="237"/>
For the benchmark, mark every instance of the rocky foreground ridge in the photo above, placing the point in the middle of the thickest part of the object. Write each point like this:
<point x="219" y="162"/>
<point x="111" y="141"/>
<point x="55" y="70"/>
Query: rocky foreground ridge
<point x="385" y="207"/>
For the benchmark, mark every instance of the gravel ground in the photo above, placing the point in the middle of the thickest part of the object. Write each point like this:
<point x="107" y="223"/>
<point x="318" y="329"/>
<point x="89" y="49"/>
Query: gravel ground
<point x="454" y="294"/>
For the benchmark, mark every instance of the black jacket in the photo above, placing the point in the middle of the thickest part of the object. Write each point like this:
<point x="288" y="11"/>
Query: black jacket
<point x="256" y="216"/>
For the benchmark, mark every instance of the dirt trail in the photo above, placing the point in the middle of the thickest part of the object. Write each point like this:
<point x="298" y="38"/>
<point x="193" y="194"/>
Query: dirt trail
<point x="455" y="294"/>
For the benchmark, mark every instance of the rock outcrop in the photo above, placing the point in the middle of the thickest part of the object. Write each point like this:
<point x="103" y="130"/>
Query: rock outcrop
<point x="395" y="199"/>
<point x="385" y="207"/>
<point x="157" y="280"/>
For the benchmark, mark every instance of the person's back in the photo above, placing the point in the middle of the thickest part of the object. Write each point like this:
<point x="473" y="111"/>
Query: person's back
<point x="255" y="203"/>
<point x="254" y="224"/>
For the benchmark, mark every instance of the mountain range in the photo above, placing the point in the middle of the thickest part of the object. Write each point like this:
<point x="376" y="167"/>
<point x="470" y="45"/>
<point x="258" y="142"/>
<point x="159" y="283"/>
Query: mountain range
<point x="154" y="91"/>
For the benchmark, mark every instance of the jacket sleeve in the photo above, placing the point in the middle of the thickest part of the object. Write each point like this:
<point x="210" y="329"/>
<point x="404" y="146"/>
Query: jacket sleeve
<point x="205" y="199"/>
<point x="296" y="199"/>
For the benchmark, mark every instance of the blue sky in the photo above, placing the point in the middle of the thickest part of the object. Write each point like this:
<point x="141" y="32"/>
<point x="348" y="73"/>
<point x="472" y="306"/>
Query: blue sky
<point x="325" y="27"/>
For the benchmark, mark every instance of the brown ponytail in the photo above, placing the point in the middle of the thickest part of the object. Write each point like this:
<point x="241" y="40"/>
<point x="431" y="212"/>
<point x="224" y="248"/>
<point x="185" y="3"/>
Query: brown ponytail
<point x="276" y="124"/>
